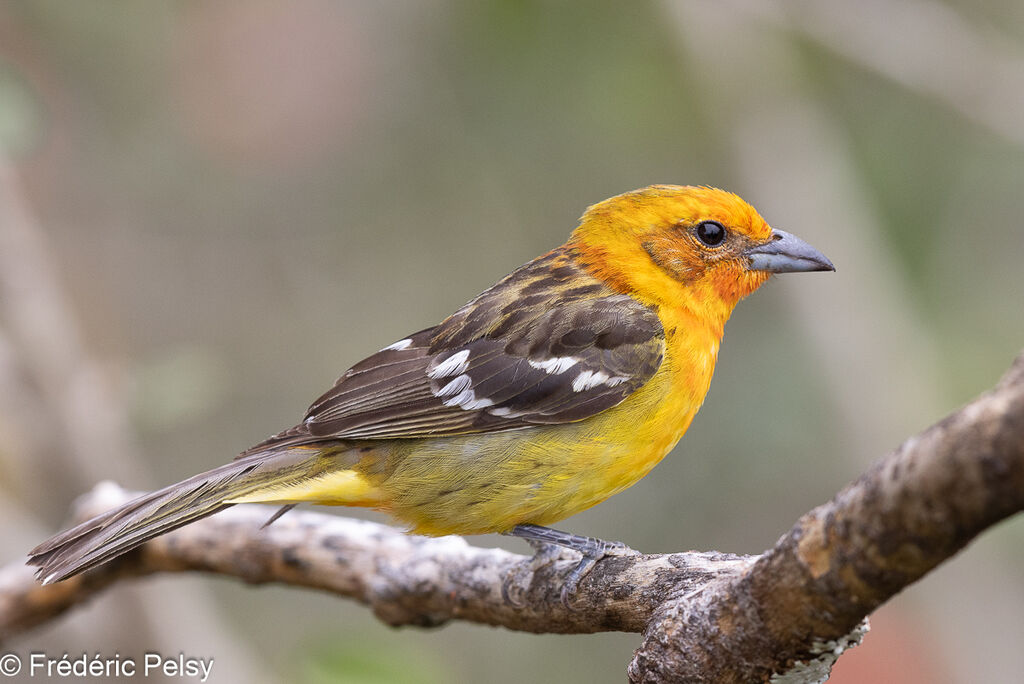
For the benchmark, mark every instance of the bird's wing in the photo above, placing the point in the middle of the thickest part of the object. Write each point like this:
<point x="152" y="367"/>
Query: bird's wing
<point x="548" y="344"/>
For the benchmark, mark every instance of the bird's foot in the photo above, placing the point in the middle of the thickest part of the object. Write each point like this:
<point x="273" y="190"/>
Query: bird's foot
<point x="550" y="545"/>
<point x="518" y="577"/>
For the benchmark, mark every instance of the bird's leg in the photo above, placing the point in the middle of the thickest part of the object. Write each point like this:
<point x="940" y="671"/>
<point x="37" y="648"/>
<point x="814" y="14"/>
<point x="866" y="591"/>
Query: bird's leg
<point x="546" y="540"/>
<point x="277" y="514"/>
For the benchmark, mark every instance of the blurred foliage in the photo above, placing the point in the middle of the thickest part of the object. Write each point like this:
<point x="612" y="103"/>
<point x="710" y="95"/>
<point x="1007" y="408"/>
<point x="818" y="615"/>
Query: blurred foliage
<point x="341" y="661"/>
<point x="246" y="197"/>
<point x="19" y="113"/>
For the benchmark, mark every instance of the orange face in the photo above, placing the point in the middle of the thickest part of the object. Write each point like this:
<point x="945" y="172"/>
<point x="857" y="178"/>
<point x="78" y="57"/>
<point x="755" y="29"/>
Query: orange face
<point x="687" y="246"/>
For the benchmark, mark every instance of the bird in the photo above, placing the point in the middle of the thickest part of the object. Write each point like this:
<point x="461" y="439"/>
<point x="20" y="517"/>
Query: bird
<point x="562" y="384"/>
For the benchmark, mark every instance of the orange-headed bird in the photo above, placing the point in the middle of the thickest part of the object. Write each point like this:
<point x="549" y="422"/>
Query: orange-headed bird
<point x="560" y="385"/>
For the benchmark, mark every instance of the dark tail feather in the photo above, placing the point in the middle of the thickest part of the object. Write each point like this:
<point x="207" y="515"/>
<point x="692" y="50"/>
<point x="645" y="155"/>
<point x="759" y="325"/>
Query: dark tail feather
<point x="119" y="530"/>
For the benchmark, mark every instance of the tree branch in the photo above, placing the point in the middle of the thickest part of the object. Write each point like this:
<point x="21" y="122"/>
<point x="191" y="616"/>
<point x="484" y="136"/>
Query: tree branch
<point x="783" y="616"/>
<point x="406" y="580"/>
<point x="912" y="510"/>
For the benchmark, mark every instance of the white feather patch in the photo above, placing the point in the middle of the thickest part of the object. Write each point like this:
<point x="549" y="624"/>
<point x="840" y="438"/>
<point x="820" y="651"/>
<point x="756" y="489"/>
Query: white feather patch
<point x="504" y="412"/>
<point x="455" y="386"/>
<point x="456" y="364"/>
<point x="467" y="400"/>
<point x="556" y="365"/>
<point x="590" y="379"/>
<point x="399" y="345"/>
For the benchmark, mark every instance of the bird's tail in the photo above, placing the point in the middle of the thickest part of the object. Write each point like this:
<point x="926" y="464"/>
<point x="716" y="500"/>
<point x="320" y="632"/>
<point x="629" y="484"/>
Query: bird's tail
<point x="119" y="530"/>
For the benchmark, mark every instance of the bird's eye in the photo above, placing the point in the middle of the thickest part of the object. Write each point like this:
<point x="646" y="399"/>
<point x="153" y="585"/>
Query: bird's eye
<point x="711" y="233"/>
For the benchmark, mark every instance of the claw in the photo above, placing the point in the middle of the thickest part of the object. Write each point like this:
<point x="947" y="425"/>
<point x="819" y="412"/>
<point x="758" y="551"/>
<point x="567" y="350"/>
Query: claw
<point x="545" y="540"/>
<point x="572" y="581"/>
<point x="544" y="553"/>
<point x="587" y="563"/>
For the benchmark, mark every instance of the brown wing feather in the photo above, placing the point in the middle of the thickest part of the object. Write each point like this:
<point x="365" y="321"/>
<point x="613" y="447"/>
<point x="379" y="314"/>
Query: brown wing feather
<point x="548" y="344"/>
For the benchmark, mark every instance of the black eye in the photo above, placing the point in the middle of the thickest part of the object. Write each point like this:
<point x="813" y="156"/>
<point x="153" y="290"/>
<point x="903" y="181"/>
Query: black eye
<point x="711" y="233"/>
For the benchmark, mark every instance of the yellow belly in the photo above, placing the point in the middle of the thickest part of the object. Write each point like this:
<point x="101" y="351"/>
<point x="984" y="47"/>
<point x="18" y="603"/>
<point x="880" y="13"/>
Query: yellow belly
<point x="489" y="483"/>
<point x="475" y="484"/>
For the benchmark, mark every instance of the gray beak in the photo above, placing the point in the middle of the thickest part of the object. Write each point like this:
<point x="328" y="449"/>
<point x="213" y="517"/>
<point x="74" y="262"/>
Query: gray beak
<point x="786" y="253"/>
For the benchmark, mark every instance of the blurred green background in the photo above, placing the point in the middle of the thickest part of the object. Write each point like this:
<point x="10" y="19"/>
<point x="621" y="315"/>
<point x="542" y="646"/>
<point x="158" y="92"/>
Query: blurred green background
<point x="208" y="210"/>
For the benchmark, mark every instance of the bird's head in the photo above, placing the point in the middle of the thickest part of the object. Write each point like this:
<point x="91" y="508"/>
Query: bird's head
<point x="671" y="245"/>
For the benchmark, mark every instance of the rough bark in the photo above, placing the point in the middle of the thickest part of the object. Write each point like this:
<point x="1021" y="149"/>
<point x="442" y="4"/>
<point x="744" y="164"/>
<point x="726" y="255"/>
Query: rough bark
<point x="782" y="616"/>
<point x="909" y="512"/>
